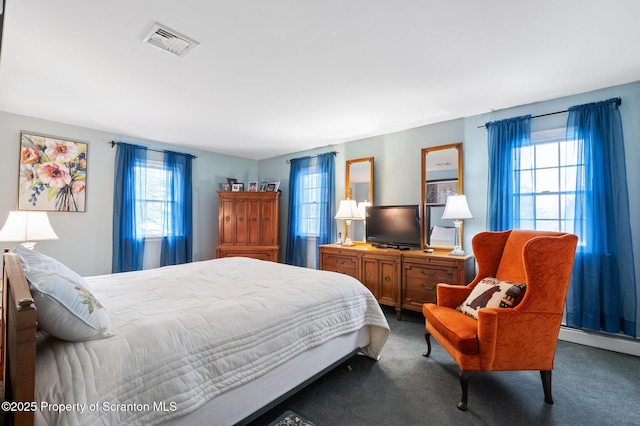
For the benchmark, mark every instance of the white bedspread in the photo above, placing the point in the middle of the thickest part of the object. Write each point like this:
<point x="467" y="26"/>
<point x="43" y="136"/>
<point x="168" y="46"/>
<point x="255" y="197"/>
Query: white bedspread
<point x="184" y="334"/>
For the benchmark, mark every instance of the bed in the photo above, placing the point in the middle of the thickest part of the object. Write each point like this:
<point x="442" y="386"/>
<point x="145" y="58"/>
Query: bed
<point x="211" y="342"/>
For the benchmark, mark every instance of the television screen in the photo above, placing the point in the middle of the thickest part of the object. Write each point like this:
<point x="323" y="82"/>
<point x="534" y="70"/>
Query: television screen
<point x="394" y="226"/>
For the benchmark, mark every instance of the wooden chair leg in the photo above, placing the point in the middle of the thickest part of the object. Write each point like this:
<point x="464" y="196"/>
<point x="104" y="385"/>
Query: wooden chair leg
<point x="465" y="375"/>
<point x="427" y="336"/>
<point x="546" y="385"/>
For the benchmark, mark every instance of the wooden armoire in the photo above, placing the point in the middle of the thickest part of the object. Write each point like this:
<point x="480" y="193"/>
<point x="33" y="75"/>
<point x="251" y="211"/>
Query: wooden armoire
<point x="248" y="224"/>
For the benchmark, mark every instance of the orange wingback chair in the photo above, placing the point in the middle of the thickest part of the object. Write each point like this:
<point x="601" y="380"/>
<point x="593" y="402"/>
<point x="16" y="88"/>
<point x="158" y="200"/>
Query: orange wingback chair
<point x="520" y="338"/>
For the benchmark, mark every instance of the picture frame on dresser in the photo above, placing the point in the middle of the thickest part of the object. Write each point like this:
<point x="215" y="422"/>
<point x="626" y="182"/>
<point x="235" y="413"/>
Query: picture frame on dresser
<point x="273" y="186"/>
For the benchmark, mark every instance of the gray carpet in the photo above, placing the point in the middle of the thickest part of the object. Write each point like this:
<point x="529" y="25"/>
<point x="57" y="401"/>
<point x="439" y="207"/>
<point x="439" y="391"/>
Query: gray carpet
<point x="590" y="387"/>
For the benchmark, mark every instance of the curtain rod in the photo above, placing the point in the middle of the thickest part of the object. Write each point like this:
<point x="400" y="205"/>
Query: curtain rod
<point x="618" y="102"/>
<point x="113" y="143"/>
<point x="312" y="156"/>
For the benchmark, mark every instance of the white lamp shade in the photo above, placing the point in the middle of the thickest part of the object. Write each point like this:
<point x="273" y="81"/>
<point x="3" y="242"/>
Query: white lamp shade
<point x="27" y="226"/>
<point x="457" y="208"/>
<point x="348" y="210"/>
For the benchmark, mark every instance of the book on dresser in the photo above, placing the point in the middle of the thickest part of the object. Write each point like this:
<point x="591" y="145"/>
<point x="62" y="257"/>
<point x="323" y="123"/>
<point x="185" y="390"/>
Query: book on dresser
<point x="403" y="279"/>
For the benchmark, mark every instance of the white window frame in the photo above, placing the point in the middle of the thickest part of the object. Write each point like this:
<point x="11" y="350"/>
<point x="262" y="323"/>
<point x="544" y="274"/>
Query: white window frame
<point x="309" y="223"/>
<point x="156" y="193"/>
<point x="553" y="169"/>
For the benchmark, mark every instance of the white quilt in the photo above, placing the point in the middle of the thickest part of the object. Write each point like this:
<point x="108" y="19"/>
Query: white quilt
<point x="184" y="334"/>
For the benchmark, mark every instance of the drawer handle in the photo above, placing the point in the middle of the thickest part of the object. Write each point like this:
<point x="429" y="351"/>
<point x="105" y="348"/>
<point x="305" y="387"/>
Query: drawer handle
<point x="227" y="218"/>
<point x="253" y="219"/>
<point x="428" y="273"/>
<point x="387" y="278"/>
<point x="241" y="219"/>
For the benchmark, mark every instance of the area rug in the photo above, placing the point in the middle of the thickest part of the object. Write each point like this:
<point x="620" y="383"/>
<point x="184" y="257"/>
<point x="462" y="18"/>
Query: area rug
<point x="289" y="418"/>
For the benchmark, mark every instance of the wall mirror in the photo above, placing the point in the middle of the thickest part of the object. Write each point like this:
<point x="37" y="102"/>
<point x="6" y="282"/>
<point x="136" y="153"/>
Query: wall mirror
<point x="441" y="177"/>
<point x="359" y="187"/>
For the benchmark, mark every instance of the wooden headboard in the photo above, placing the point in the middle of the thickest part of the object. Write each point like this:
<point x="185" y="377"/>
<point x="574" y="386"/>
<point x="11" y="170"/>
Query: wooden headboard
<point x="19" y="323"/>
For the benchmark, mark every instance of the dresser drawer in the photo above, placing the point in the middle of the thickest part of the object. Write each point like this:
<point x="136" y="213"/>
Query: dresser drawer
<point x="260" y="253"/>
<point x="433" y="273"/>
<point x="420" y="283"/>
<point x="340" y="263"/>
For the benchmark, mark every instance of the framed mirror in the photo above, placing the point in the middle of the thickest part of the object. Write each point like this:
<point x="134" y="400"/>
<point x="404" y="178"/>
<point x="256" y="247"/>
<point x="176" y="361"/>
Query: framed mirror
<point x="359" y="187"/>
<point x="441" y="177"/>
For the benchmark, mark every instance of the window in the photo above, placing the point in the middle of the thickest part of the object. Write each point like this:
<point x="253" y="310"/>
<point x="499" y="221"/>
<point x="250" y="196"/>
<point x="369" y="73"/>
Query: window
<point x="547" y="179"/>
<point x="310" y="208"/>
<point x="155" y="199"/>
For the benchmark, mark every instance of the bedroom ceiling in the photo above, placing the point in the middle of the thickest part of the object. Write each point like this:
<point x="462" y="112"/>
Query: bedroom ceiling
<point x="276" y="77"/>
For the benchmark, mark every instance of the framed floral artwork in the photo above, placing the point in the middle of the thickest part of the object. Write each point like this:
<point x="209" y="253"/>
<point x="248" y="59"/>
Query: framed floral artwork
<point x="53" y="174"/>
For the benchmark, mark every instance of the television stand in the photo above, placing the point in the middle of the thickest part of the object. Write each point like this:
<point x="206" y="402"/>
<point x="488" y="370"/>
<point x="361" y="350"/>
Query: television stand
<point x="404" y="280"/>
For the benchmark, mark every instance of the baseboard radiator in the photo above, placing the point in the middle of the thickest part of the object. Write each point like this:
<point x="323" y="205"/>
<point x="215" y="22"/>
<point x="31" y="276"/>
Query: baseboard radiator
<point x="610" y="342"/>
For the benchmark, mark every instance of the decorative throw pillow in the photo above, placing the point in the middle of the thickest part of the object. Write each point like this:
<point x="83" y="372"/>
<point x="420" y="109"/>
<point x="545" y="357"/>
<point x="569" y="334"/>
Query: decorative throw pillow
<point x="67" y="309"/>
<point x="492" y="293"/>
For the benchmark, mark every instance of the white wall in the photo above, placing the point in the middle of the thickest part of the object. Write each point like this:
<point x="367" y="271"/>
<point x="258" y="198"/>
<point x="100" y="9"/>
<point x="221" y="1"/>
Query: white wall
<point x="85" y="238"/>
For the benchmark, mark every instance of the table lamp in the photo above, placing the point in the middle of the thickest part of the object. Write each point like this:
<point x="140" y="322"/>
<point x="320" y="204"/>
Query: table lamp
<point x="348" y="211"/>
<point x="27" y="227"/>
<point x="457" y="209"/>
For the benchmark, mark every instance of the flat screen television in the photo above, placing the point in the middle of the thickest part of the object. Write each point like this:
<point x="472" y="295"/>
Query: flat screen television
<point x="394" y="226"/>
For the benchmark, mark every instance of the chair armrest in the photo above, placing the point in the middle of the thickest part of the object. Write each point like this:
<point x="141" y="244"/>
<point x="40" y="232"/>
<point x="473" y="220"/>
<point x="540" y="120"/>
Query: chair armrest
<point x="520" y="340"/>
<point x="450" y="295"/>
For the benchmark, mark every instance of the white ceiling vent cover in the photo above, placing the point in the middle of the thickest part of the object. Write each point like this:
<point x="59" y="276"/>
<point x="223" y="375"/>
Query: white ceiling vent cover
<point x="167" y="39"/>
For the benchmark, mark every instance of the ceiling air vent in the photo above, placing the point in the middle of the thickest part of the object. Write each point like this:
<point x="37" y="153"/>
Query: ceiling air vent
<point x="167" y="39"/>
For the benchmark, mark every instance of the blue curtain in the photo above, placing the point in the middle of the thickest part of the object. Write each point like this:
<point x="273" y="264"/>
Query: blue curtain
<point x="299" y="229"/>
<point x="177" y="220"/>
<point x="602" y="295"/>
<point x="128" y="239"/>
<point x="326" y="167"/>
<point x="503" y="199"/>
<point x="296" y="253"/>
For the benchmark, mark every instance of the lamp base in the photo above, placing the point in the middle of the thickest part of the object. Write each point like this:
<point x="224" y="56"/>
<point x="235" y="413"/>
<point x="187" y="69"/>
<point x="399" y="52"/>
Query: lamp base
<point x="457" y="244"/>
<point x="348" y="242"/>
<point x="457" y="251"/>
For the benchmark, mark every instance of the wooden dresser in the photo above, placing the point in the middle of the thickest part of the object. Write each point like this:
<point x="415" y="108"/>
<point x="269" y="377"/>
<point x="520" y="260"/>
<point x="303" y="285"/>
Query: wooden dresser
<point x="248" y="224"/>
<point x="404" y="279"/>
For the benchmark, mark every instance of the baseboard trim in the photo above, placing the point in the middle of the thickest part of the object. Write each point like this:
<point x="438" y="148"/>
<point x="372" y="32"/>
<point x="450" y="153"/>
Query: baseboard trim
<point x="597" y="340"/>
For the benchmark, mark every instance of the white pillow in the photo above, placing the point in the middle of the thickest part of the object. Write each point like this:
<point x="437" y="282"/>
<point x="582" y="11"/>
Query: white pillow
<point x="67" y="309"/>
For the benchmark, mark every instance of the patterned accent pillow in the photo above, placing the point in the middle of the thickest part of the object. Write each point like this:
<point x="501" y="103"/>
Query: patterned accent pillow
<point x="492" y="293"/>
